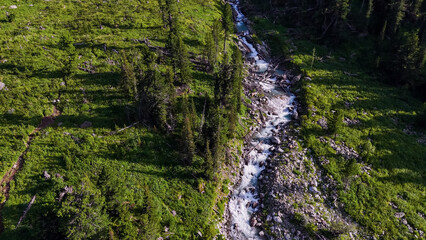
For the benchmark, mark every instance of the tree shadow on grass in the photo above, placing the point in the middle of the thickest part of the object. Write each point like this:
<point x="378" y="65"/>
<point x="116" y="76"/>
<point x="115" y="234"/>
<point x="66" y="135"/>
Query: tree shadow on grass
<point x="101" y="79"/>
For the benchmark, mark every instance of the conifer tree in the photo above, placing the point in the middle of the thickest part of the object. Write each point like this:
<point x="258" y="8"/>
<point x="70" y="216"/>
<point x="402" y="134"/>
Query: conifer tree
<point x="368" y="13"/>
<point x="336" y="123"/>
<point x="410" y="58"/>
<point x="210" y="168"/>
<point x="66" y="44"/>
<point x="223" y="82"/>
<point x="237" y="78"/>
<point x="82" y="214"/>
<point x="128" y="78"/>
<point x="396" y="14"/>
<point x="180" y="57"/>
<point x="227" y="22"/>
<point x="216" y="28"/>
<point x="188" y="145"/>
<point x="211" y="52"/>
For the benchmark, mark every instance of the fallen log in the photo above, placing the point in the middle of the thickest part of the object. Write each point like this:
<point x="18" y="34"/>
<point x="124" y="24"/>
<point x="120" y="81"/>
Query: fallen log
<point x="26" y="211"/>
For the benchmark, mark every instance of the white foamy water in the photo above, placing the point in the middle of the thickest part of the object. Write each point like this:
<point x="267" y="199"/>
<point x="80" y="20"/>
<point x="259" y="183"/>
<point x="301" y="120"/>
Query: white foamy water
<point x="246" y="193"/>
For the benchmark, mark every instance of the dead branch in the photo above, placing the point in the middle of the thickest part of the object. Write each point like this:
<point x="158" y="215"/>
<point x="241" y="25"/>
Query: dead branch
<point x="26" y="211"/>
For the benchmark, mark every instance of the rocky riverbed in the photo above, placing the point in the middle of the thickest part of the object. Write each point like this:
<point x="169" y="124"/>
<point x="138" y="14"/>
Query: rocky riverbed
<point x="281" y="191"/>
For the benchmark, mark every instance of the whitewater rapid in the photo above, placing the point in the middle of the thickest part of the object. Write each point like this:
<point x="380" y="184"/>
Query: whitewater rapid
<point x="244" y="200"/>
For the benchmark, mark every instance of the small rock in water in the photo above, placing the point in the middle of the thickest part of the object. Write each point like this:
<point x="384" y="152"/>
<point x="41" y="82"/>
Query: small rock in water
<point x="253" y="222"/>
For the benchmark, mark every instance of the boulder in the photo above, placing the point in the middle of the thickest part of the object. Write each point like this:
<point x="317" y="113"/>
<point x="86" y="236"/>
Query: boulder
<point x="278" y="219"/>
<point x="253" y="222"/>
<point x="399" y="214"/>
<point x="313" y="190"/>
<point x="261" y="233"/>
<point x="275" y="140"/>
<point x="13" y="7"/>
<point x="2" y="86"/>
<point x="86" y="124"/>
<point x="279" y="150"/>
<point x="46" y="175"/>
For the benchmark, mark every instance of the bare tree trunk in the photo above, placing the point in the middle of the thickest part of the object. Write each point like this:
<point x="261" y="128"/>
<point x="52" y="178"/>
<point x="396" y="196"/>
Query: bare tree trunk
<point x="26" y="211"/>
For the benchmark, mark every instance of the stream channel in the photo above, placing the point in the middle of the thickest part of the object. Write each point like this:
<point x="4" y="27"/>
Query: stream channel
<point x="244" y="200"/>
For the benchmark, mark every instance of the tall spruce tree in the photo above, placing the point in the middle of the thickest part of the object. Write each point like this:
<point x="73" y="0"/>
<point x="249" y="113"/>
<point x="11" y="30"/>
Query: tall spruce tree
<point x="211" y="53"/>
<point x="227" y="23"/>
<point x="187" y="137"/>
<point x="210" y="168"/>
<point x="237" y="78"/>
<point x="181" y="63"/>
<point x="66" y="44"/>
<point x="128" y="81"/>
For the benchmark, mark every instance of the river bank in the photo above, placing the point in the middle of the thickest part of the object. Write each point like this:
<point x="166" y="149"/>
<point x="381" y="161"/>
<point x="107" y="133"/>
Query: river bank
<point x="281" y="193"/>
<point x="272" y="105"/>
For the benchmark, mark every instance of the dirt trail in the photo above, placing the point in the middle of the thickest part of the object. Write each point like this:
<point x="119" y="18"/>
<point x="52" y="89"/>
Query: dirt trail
<point x="9" y="176"/>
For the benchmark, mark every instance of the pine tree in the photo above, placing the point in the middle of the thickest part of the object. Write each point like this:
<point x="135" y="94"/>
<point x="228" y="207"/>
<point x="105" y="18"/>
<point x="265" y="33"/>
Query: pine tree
<point x="172" y="17"/>
<point x="66" y="44"/>
<point x="336" y="123"/>
<point x="227" y="23"/>
<point x="181" y="63"/>
<point x="82" y="214"/>
<point x="223" y="82"/>
<point x="128" y="78"/>
<point x="368" y="13"/>
<point x="410" y="56"/>
<point x="210" y="168"/>
<point x="193" y="116"/>
<point x="396" y="14"/>
<point x="237" y="78"/>
<point x="188" y="145"/>
<point x="216" y="29"/>
<point x="211" y="52"/>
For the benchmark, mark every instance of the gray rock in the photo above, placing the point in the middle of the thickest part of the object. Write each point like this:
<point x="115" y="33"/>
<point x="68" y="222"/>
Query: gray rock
<point x="253" y="222"/>
<point x="46" y="175"/>
<point x="261" y="233"/>
<point x="275" y="140"/>
<point x="2" y="86"/>
<point x="278" y="219"/>
<point x="313" y="189"/>
<point x="13" y="7"/>
<point x="323" y="123"/>
<point x="399" y="214"/>
<point x="279" y="150"/>
<point x="86" y="124"/>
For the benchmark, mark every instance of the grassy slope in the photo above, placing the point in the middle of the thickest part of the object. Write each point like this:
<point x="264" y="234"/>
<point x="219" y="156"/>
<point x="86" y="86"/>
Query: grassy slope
<point x="384" y="112"/>
<point x="141" y="160"/>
